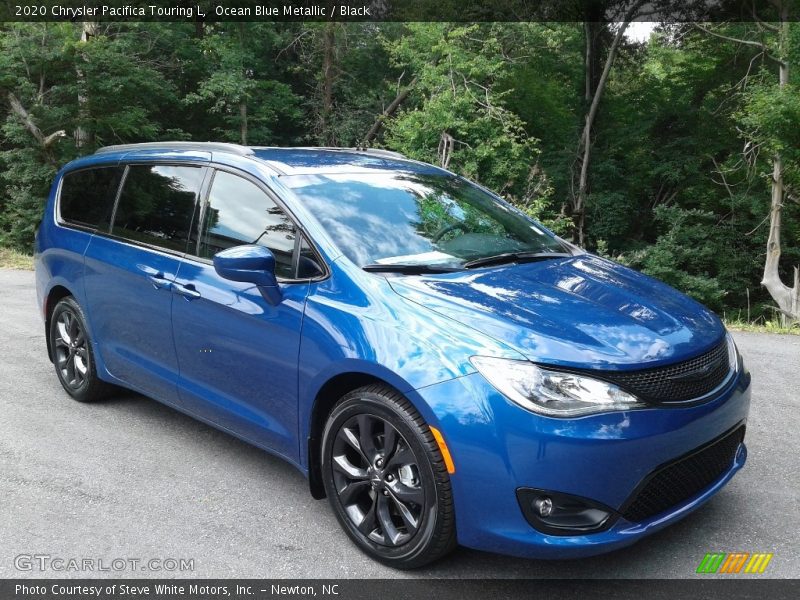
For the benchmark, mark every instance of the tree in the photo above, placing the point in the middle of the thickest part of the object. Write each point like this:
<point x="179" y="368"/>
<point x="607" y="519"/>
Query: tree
<point x="660" y="175"/>
<point x="770" y="106"/>
<point x="456" y="112"/>
<point x="241" y="84"/>
<point x="57" y="79"/>
<point x="33" y="129"/>
<point x="579" y="198"/>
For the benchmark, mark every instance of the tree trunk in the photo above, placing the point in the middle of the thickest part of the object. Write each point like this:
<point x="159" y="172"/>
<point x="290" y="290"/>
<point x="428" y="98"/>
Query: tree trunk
<point x="591" y="32"/>
<point x="588" y="61"/>
<point x="243" y="130"/>
<point x="243" y="121"/>
<point x="585" y="145"/>
<point x="328" y="67"/>
<point x="82" y="134"/>
<point x="787" y="298"/>
<point x="445" y="151"/>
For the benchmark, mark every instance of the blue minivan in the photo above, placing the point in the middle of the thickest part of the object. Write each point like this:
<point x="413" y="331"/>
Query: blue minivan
<point x="439" y="365"/>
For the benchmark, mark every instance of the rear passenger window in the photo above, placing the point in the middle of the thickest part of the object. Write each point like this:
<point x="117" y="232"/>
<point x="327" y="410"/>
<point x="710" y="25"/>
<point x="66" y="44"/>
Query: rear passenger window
<point x="157" y="204"/>
<point x="87" y="196"/>
<point x="239" y="212"/>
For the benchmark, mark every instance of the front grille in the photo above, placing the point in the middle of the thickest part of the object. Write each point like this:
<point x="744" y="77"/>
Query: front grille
<point x="681" y="479"/>
<point x="678" y="382"/>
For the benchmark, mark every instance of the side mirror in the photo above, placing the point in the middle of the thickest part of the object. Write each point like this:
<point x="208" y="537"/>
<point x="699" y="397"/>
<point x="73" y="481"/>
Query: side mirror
<point x="251" y="264"/>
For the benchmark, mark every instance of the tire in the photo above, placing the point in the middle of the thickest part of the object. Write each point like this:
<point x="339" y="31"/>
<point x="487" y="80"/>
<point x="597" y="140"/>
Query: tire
<point x="386" y="480"/>
<point x="73" y="356"/>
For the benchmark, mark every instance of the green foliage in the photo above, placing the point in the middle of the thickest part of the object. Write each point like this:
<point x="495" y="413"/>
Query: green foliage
<point x="457" y="94"/>
<point x="681" y="147"/>
<point x="240" y="89"/>
<point x="684" y="256"/>
<point x="26" y="181"/>
<point x="123" y="92"/>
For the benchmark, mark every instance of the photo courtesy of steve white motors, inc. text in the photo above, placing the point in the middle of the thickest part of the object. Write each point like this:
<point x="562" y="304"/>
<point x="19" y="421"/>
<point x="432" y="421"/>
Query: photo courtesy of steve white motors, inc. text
<point x="190" y="12"/>
<point x="171" y="589"/>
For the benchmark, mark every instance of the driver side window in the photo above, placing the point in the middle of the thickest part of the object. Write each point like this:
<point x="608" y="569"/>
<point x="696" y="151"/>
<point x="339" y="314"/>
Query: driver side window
<point x="239" y="212"/>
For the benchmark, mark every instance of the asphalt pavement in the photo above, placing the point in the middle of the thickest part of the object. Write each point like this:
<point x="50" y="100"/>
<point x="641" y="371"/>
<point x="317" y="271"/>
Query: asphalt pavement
<point x="132" y="479"/>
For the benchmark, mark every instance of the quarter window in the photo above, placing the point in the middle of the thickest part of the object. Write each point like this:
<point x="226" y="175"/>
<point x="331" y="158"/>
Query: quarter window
<point x="239" y="212"/>
<point x="157" y="204"/>
<point x="308" y="265"/>
<point x="87" y="196"/>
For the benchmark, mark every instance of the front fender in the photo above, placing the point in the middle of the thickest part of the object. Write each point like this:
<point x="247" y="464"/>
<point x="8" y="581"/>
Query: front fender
<point x="364" y="328"/>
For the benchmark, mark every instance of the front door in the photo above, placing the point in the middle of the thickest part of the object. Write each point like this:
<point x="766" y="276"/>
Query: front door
<point x="238" y="354"/>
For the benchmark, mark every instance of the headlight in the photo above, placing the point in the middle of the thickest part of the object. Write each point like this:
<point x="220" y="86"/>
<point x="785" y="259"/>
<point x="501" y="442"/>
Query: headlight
<point x="733" y="353"/>
<point x="553" y="393"/>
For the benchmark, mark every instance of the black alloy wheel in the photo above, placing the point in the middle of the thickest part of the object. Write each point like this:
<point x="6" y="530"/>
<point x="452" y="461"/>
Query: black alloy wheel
<point x="386" y="480"/>
<point x="377" y="480"/>
<point x="72" y="353"/>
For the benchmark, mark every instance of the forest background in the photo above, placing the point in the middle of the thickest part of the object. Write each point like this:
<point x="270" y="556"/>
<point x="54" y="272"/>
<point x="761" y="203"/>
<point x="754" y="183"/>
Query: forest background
<point x="675" y="151"/>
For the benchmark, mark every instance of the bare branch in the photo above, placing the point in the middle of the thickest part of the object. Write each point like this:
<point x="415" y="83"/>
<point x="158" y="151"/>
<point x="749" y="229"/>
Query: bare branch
<point x="27" y="120"/>
<point x="390" y="110"/>
<point x="757" y="227"/>
<point x="724" y="179"/>
<point x="25" y="117"/>
<point x="743" y="81"/>
<point x="763" y="24"/>
<point x="57" y="135"/>
<point x="763" y="47"/>
<point x="293" y="43"/>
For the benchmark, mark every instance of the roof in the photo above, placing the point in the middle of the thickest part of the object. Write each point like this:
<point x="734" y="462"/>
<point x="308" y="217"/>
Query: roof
<point x="297" y="161"/>
<point x="288" y="161"/>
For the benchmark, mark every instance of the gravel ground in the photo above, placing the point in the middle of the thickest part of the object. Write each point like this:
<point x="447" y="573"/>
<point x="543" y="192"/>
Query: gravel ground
<point x="131" y="478"/>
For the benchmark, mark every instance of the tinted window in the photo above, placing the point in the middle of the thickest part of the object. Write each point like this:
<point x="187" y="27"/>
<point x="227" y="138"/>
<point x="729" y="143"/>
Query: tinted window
<point x="157" y="204"/>
<point x="239" y="212"/>
<point x="87" y="197"/>
<point x="308" y="265"/>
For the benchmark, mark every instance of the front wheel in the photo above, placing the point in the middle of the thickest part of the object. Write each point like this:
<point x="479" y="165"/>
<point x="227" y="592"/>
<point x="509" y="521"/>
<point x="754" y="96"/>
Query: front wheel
<point x="386" y="480"/>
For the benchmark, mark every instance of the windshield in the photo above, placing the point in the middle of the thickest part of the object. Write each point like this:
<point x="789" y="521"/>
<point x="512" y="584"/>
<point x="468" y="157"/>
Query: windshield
<point x="417" y="219"/>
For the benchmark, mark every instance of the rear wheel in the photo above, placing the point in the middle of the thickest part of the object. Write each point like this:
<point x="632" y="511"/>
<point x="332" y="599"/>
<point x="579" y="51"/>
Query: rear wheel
<point x="386" y="480"/>
<point x="72" y="353"/>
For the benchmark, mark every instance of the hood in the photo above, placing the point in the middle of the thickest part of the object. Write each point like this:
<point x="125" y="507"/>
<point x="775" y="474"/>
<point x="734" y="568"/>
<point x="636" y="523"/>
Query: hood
<point x="583" y="312"/>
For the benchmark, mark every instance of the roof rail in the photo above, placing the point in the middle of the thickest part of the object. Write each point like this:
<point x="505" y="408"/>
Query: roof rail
<point x="204" y="146"/>
<point x="373" y="151"/>
<point x="382" y="152"/>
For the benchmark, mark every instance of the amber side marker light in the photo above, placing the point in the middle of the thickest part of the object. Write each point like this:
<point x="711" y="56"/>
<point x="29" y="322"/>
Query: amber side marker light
<point x="448" y="460"/>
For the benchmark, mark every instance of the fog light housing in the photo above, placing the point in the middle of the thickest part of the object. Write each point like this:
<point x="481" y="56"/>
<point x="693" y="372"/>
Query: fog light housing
<point x="556" y="513"/>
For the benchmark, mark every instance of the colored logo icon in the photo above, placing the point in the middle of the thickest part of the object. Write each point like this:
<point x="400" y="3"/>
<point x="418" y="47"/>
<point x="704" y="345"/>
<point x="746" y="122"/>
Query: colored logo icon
<point x="734" y="562"/>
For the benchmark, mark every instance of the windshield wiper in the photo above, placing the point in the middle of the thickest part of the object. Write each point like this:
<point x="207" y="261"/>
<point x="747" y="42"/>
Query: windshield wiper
<point x="512" y="257"/>
<point x="409" y="269"/>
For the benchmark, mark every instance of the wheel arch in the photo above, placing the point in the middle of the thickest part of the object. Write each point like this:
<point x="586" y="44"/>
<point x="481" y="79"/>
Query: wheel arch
<point x="326" y="398"/>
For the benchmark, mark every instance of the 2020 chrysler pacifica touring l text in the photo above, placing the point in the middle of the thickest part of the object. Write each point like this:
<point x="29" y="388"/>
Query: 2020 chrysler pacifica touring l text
<point x="443" y="368"/>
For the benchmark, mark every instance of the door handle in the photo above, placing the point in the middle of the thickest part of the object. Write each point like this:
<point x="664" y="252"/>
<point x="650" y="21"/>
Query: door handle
<point x="188" y="291"/>
<point x="159" y="281"/>
<point x="156" y="277"/>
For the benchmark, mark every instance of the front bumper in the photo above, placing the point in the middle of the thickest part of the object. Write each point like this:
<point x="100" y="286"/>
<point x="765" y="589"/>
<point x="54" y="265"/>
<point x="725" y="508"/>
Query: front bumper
<point x="498" y="448"/>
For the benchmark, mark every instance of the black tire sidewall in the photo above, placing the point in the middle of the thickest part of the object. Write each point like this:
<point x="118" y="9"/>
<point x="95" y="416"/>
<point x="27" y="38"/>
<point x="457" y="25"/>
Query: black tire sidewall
<point x="406" y="555"/>
<point x="85" y="392"/>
